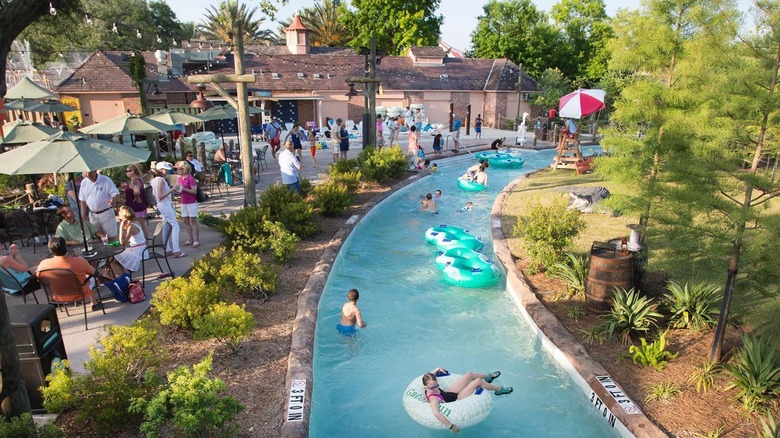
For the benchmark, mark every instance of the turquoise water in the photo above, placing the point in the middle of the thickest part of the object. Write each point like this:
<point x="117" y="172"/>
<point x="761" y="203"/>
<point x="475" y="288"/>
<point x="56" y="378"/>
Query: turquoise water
<point x="417" y="321"/>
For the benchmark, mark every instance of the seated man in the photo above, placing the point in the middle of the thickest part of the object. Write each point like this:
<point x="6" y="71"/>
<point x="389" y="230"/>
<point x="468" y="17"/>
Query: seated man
<point x="70" y="228"/>
<point x="196" y="168"/>
<point x="78" y="265"/>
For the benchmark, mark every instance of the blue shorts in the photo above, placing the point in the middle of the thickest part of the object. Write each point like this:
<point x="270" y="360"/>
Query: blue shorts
<point x="346" y="330"/>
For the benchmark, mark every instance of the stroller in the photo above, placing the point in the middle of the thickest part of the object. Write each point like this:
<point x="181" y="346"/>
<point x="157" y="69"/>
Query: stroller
<point x="437" y="143"/>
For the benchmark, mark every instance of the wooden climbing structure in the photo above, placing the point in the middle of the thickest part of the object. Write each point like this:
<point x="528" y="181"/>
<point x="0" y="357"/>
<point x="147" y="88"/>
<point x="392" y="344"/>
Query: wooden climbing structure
<point x="568" y="152"/>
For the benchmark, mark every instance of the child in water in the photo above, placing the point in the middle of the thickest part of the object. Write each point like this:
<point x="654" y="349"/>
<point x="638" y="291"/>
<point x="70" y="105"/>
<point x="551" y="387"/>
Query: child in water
<point x="469" y="205"/>
<point x="428" y="204"/>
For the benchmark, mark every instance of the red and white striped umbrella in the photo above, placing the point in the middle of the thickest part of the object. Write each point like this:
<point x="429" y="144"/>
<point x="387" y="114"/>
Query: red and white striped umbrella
<point x="581" y="103"/>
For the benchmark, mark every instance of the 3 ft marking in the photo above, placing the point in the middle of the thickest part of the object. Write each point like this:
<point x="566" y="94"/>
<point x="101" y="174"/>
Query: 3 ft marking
<point x="295" y="402"/>
<point x="617" y="393"/>
<point x="603" y="409"/>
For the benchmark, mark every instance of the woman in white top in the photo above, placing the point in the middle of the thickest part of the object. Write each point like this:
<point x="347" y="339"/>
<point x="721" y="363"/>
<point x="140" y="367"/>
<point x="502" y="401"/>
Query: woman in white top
<point x="132" y="237"/>
<point x="162" y="192"/>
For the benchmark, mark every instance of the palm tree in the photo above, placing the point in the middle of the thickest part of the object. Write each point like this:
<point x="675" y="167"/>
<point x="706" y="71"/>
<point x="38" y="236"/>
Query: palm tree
<point x="189" y="30"/>
<point x="219" y="23"/>
<point x="323" y="21"/>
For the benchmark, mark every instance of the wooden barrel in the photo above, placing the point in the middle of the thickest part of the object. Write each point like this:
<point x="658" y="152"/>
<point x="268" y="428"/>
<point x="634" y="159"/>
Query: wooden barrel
<point x="607" y="269"/>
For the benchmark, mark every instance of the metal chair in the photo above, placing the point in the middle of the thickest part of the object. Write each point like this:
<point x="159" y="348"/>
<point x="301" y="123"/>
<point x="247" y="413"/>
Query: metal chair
<point x="157" y="250"/>
<point x="261" y="158"/>
<point x="13" y="287"/>
<point x="62" y="288"/>
<point x="19" y="226"/>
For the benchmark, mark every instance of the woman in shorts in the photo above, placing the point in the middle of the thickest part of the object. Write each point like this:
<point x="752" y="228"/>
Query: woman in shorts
<point x="312" y="137"/>
<point x="296" y="136"/>
<point x="189" y="204"/>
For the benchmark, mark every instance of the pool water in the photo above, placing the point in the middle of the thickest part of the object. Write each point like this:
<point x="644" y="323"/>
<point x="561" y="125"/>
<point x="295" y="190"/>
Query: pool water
<point x="417" y="321"/>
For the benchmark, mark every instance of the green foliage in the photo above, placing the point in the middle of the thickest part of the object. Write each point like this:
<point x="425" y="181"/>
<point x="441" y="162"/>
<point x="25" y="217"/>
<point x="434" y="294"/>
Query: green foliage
<point x="769" y="428"/>
<point x="252" y="229"/>
<point x="238" y="270"/>
<point x="23" y="426"/>
<point x="192" y="404"/>
<point x="280" y="241"/>
<point x="573" y="273"/>
<point x="326" y="24"/>
<point x="703" y="377"/>
<point x="60" y="393"/>
<point x="693" y="307"/>
<point x="350" y="179"/>
<point x="755" y="370"/>
<point x="219" y="23"/>
<point x="574" y="311"/>
<point x="631" y="314"/>
<point x="333" y="198"/>
<point x="653" y="354"/>
<point x="595" y="335"/>
<point x="181" y="300"/>
<point x="245" y="228"/>
<point x="345" y="166"/>
<point x="586" y="32"/>
<point x="547" y="230"/>
<point x="211" y="221"/>
<point x="230" y="324"/>
<point x="396" y="24"/>
<point x="306" y="186"/>
<point x="279" y="204"/>
<point x="123" y="369"/>
<point x="381" y="165"/>
<point x="663" y="392"/>
<point x="553" y="85"/>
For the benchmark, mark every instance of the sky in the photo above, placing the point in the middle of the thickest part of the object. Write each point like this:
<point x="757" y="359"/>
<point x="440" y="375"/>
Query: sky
<point x="459" y="20"/>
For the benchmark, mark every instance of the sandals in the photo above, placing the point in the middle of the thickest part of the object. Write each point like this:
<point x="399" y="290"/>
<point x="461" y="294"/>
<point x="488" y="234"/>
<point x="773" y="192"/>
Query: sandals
<point x="195" y="244"/>
<point x="492" y="376"/>
<point x="180" y="255"/>
<point x="505" y="390"/>
<point x="187" y="243"/>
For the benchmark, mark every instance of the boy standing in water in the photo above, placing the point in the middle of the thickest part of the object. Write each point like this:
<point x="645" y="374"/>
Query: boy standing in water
<point x="350" y="315"/>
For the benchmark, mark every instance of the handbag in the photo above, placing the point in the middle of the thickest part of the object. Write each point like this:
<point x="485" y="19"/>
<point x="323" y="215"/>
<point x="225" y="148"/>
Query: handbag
<point x="136" y="292"/>
<point x="119" y="287"/>
<point x="200" y="196"/>
<point x="151" y="201"/>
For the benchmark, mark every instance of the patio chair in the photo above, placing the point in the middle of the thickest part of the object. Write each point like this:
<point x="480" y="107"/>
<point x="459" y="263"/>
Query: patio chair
<point x="18" y="225"/>
<point x="261" y="158"/>
<point x="11" y="286"/>
<point x="156" y="251"/>
<point x="63" y="288"/>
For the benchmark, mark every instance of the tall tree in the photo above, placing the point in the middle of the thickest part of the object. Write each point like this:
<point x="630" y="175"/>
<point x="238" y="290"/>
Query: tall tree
<point x="396" y="24"/>
<point x="219" y="23"/>
<point x="326" y="23"/>
<point x="586" y="32"/>
<point x="553" y="86"/>
<point x="517" y="30"/>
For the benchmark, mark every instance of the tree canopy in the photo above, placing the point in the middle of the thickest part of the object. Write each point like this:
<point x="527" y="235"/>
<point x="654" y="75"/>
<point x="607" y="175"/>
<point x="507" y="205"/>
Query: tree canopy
<point x="219" y="23"/>
<point x="396" y="24"/>
<point x="326" y="21"/>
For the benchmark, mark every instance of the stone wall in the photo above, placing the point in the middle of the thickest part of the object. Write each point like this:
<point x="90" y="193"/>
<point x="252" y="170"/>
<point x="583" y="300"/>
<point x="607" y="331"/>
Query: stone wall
<point x="131" y="103"/>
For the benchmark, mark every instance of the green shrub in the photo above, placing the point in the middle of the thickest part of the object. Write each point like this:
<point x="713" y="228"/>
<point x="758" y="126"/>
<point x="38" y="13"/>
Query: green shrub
<point x="244" y="228"/>
<point x="238" y="270"/>
<point x="333" y="198"/>
<point x="60" y="393"/>
<point x="693" y="307"/>
<point x="23" y="426"/>
<point x="274" y="198"/>
<point x="299" y="217"/>
<point x="383" y="164"/>
<point x="662" y="392"/>
<point x="769" y="427"/>
<point x="191" y="403"/>
<point x="349" y="179"/>
<point x="756" y="371"/>
<point x="280" y="241"/>
<point x="344" y="166"/>
<point x="631" y="314"/>
<point x="211" y="221"/>
<point x="574" y="311"/>
<point x="229" y="324"/>
<point x="572" y="273"/>
<point x="306" y="186"/>
<point x="547" y="231"/>
<point x="653" y="354"/>
<point x="123" y="369"/>
<point x="181" y="300"/>
<point x="703" y="377"/>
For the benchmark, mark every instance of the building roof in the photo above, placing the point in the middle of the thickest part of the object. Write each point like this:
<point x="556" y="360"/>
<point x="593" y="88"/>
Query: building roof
<point x="428" y="51"/>
<point x="297" y="24"/>
<point x="279" y="71"/>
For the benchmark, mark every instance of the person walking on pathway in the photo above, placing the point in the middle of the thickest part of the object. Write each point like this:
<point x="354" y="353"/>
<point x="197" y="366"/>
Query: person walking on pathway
<point x="163" y="193"/>
<point x="189" y="203"/>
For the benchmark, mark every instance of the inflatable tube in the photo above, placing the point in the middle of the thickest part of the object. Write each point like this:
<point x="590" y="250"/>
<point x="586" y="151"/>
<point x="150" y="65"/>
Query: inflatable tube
<point x="472" y="273"/>
<point x="472" y="243"/>
<point x="446" y="258"/>
<point x="470" y="186"/>
<point x="507" y="163"/>
<point x="434" y="234"/>
<point x="463" y="413"/>
<point x="487" y="156"/>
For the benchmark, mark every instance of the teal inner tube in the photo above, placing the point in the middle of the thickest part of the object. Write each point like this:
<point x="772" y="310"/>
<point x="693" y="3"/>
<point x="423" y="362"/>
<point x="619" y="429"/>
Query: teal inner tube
<point x="471" y="242"/>
<point x="507" y="163"/>
<point x="471" y="273"/>
<point x="448" y="257"/>
<point x="470" y="186"/>
<point x="434" y="234"/>
<point x="486" y="155"/>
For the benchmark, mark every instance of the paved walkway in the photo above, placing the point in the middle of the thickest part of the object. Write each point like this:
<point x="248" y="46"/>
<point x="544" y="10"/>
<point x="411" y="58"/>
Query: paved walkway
<point x="78" y="340"/>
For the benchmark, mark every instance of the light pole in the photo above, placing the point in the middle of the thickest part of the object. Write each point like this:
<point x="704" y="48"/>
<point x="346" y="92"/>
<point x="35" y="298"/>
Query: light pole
<point x="368" y="85"/>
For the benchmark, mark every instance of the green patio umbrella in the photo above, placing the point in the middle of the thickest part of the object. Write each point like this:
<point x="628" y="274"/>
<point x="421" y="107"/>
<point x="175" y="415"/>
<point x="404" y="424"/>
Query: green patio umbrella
<point x="224" y="112"/>
<point x="126" y="124"/>
<point x="51" y="106"/>
<point x="27" y="89"/>
<point x="174" y="117"/>
<point x="22" y="104"/>
<point x="64" y="152"/>
<point x="21" y="131"/>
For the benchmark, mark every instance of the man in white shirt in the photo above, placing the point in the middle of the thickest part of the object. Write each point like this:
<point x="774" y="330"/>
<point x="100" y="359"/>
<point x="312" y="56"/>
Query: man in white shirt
<point x="289" y="167"/>
<point x="98" y="196"/>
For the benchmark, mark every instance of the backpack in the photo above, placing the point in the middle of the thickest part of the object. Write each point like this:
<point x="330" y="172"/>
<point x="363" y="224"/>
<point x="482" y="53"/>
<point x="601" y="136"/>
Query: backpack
<point x="200" y="196"/>
<point x="136" y="292"/>
<point x="151" y="201"/>
<point x="119" y="286"/>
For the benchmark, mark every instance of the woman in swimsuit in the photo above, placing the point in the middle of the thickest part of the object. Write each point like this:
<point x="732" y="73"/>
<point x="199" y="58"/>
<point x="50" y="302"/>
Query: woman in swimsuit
<point x="464" y="387"/>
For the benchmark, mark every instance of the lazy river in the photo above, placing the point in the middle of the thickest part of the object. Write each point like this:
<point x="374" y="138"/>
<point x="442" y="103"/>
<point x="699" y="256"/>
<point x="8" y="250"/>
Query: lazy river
<point x="417" y="321"/>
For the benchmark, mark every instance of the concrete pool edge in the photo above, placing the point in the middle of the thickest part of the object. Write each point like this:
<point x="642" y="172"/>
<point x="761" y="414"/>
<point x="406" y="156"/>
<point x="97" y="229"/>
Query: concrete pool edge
<point x="589" y="375"/>
<point x="301" y="358"/>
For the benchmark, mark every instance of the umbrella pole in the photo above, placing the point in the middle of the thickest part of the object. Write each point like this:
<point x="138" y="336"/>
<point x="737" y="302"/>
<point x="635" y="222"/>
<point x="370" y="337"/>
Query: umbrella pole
<point x="78" y="212"/>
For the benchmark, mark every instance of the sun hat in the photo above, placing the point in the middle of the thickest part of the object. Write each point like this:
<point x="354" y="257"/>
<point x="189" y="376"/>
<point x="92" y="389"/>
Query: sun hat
<point x="164" y="165"/>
